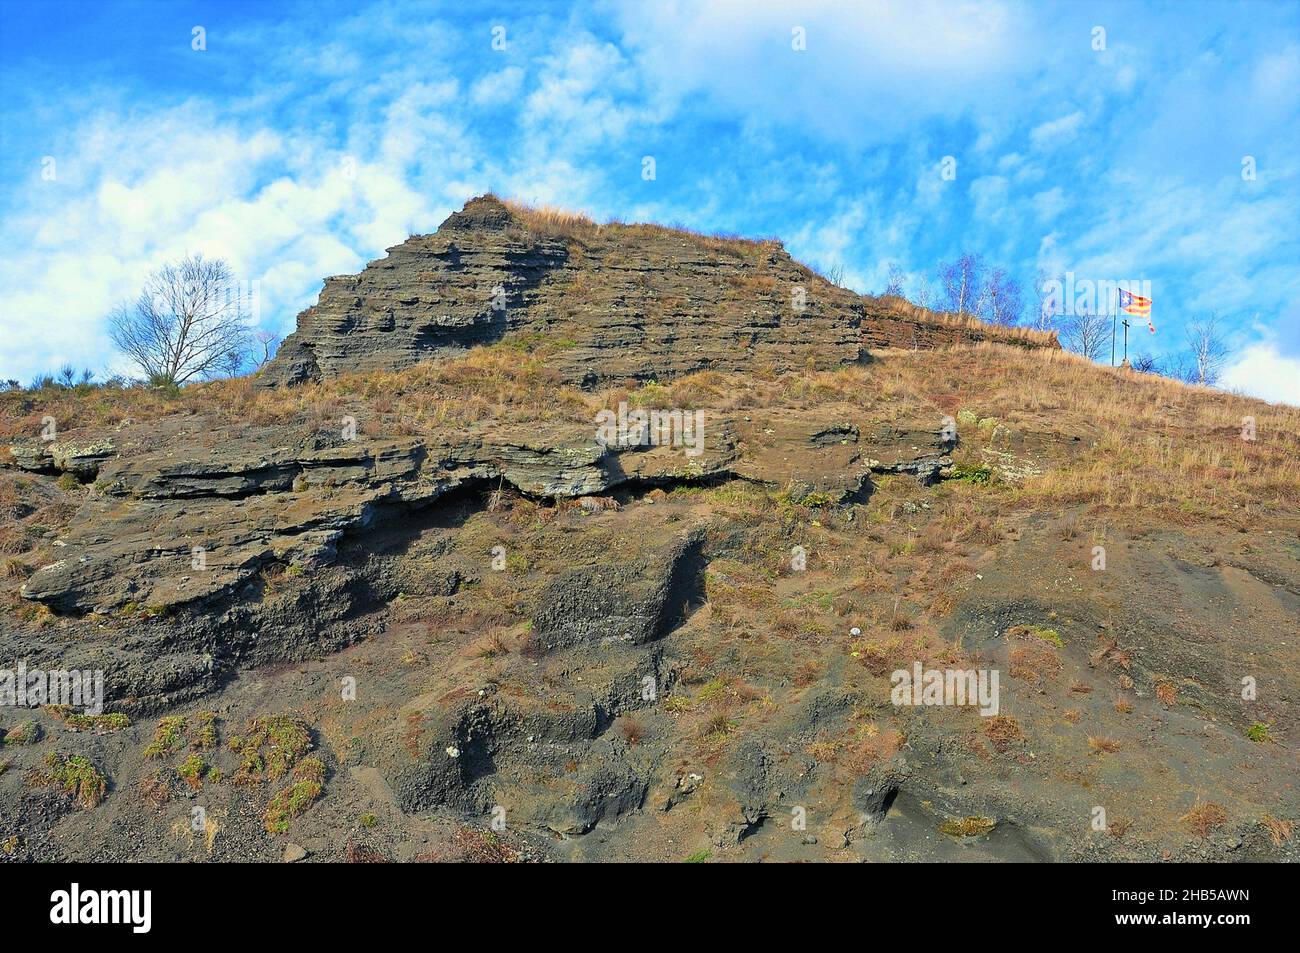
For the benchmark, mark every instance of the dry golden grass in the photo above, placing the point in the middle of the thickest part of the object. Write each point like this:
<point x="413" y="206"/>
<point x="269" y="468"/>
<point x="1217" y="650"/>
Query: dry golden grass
<point x="632" y="730"/>
<point x="547" y="218"/>
<point x="488" y="383"/>
<point x="22" y="412"/>
<point x="1103" y="745"/>
<point x="1279" y="831"/>
<point x="1033" y="663"/>
<point x="1205" y="817"/>
<point x="1003" y="731"/>
<point x="1148" y="442"/>
<point x="997" y="332"/>
<point x="576" y="225"/>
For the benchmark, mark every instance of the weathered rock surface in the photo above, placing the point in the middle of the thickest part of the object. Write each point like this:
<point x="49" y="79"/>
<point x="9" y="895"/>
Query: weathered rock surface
<point x="81" y="458"/>
<point x="193" y="523"/>
<point x="207" y="548"/>
<point x="637" y="301"/>
<point x="633" y="601"/>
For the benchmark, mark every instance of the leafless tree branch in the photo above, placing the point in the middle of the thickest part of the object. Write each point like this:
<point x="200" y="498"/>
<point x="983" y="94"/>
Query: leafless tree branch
<point x="188" y="323"/>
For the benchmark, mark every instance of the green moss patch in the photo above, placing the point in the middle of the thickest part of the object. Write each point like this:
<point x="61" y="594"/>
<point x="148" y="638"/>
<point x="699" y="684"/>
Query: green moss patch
<point x="76" y="776"/>
<point x="169" y="736"/>
<point x="1039" y="632"/>
<point x="271" y="746"/>
<point x="307" y="787"/>
<point x="77" y="721"/>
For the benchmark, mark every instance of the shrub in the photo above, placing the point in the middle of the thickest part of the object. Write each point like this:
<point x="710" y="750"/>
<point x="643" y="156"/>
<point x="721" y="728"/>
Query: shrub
<point x="191" y="771"/>
<point x="306" y="789"/>
<point x="1279" y="831"/>
<point x="1103" y="745"/>
<point x="1004" y="731"/>
<point x="976" y="473"/>
<point x="100" y="724"/>
<point x="25" y="733"/>
<point x="272" y="745"/>
<point x="77" y="776"/>
<point x="1259" y="733"/>
<point x="167" y="737"/>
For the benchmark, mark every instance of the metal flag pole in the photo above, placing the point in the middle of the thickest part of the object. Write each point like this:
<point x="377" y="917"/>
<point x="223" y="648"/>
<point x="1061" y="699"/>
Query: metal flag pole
<point x="1114" y="316"/>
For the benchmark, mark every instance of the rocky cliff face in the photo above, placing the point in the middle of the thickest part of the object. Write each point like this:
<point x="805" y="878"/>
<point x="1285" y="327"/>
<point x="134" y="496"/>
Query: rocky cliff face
<point x="638" y="301"/>
<point x="191" y="531"/>
<point x="462" y="596"/>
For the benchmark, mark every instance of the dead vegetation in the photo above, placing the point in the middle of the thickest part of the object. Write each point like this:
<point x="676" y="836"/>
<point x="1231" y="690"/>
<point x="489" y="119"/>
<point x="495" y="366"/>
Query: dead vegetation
<point x="1004" y="732"/>
<point x="1205" y="817"/>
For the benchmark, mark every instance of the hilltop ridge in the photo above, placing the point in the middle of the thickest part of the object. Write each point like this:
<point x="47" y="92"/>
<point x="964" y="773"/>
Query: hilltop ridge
<point x="616" y="301"/>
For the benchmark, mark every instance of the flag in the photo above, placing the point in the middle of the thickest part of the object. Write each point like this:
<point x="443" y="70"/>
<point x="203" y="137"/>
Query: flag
<point x="1137" y="305"/>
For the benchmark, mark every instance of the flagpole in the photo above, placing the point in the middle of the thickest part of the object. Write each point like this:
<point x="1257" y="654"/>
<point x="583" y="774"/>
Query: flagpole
<point x="1114" y="316"/>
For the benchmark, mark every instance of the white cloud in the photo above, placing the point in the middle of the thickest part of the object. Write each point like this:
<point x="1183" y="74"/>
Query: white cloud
<point x="870" y="69"/>
<point x="497" y="88"/>
<point x="990" y="195"/>
<point x="1050" y="203"/>
<point x="94" y="245"/>
<point x="1263" y="372"/>
<point x="1058" y="132"/>
<point x="836" y="243"/>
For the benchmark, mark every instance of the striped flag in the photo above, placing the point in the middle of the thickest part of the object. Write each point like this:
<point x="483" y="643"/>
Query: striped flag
<point x="1136" y="305"/>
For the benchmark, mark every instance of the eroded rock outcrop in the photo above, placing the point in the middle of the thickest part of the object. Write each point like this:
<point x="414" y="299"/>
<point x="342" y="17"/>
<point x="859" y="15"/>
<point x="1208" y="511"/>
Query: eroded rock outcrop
<point x="202" y="547"/>
<point x="633" y="600"/>
<point x="197" y="520"/>
<point x="623" y="301"/>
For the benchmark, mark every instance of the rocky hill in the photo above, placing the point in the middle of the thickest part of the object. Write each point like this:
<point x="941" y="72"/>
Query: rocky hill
<point x="404" y="597"/>
<point x="627" y="302"/>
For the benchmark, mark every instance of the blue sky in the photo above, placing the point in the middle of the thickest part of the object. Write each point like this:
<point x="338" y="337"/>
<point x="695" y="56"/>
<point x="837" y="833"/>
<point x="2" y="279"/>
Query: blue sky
<point x="306" y="138"/>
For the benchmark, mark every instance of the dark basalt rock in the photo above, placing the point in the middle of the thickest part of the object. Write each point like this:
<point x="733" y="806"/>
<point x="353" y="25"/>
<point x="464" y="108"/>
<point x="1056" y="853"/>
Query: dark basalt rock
<point x="81" y="458"/>
<point x="248" y="503"/>
<point x="632" y="601"/>
<point x="628" y="301"/>
<point x="163" y="578"/>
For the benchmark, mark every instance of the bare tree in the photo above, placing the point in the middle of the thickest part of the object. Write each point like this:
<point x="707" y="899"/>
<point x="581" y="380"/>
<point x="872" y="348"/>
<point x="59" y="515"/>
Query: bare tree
<point x="896" y="279"/>
<point x="1209" y="351"/>
<point x="1002" y="302"/>
<point x="1086" y="333"/>
<point x="1049" y="289"/>
<point x="188" y="324"/>
<point x="962" y="282"/>
<point x="265" y="345"/>
<point x="1146" y="364"/>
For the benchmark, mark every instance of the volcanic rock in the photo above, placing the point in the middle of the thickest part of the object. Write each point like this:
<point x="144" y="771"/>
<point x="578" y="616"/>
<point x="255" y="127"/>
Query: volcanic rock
<point x="622" y="301"/>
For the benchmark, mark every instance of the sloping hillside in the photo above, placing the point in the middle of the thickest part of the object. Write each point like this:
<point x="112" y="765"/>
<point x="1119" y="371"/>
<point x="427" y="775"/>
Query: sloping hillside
<point x="410" y="592"/>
